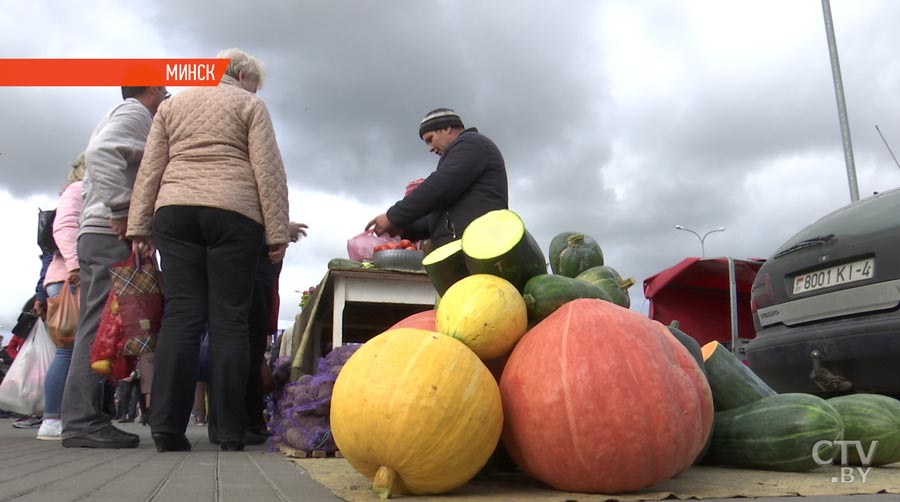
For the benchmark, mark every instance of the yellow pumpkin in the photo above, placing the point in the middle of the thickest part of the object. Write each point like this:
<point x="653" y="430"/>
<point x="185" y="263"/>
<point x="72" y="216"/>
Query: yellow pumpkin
<point x="485" y="312"/>
<point x="415" y="411"/>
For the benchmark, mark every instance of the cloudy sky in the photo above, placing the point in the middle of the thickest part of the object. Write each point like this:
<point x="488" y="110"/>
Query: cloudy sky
<point x="620" y="119"/>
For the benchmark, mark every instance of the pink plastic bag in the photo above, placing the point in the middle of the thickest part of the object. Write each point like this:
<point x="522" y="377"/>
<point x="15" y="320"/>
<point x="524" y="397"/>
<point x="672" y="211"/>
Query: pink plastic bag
<point x="360" y="248"/>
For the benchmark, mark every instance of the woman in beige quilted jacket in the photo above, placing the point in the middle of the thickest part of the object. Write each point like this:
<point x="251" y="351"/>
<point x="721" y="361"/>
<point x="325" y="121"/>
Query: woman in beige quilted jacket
<point x="210" y="190"/>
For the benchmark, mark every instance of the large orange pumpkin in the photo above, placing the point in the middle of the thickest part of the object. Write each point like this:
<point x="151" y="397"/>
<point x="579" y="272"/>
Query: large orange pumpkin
<point x="600" y="399"/>
<point x="415" y="411"/>
<point x="419" y="320"/>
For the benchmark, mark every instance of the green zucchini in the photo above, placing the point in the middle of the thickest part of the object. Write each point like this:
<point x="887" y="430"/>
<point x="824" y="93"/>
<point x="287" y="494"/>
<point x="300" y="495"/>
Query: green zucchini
<point x="545" y="293"/>
<point x="446" y="265"/>
<point x="609" y="280"/>
<point x="689" y="343"/>
<point x="733" y="384"/>
<point x="777" y="433"/>
<point x="573" y="253"/>
<point x="498" y="243"/>
<point x="345" y="263"/>
<point x="601" y="272"/>
<point x="869" y="418"/>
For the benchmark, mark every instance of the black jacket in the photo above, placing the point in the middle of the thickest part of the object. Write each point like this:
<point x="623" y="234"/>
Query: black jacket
<point x="470" y="180"/>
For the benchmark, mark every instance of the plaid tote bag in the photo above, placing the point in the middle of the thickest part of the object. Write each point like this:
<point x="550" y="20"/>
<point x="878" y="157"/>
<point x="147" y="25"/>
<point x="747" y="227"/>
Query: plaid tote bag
<point x="138" y="286"/>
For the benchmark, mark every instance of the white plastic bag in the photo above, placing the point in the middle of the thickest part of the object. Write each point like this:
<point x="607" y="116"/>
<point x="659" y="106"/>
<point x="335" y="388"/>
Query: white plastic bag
<point x="22" y="390"/>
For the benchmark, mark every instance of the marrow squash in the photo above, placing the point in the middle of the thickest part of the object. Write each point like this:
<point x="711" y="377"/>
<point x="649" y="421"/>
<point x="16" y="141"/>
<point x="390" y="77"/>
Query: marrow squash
<point x="609" y="280"/>
<point x="733" y="384"/>
<point x="446" y="265"/>
<point x="776" y="433"/>
<point x="870" y="418"/>
<point x="498" y="243"/>
<point x="545" y="293"/>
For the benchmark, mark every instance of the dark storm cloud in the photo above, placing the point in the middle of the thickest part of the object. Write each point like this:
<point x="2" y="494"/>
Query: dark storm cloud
<point x="727" y="116"/>
<point x="349" y="82"/>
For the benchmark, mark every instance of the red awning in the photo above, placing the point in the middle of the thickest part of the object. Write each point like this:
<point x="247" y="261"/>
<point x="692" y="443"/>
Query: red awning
<point x="695" y="292"/>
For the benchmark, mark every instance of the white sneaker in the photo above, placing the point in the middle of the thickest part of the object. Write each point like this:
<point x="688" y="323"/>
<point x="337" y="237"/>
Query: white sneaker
<point x="51" y="430"/>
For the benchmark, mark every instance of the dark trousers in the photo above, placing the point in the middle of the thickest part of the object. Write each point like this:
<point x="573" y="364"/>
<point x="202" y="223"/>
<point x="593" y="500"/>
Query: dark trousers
<point x="259" y="325"/>
<point x="208" y="261"/>
<point x="127" y="403"/>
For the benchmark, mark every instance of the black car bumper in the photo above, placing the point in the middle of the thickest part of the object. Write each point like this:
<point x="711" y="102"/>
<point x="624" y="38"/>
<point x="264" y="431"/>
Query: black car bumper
<point x="862" y="349"/>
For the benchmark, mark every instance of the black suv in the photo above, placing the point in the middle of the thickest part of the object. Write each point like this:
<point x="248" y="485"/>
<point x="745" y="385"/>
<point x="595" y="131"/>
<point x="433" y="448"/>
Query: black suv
<point x="825" y="304"/>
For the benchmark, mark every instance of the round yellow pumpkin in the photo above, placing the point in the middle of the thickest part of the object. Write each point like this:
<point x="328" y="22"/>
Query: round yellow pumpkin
<point x="485" y="312"/>
<point x="415" y="411"/>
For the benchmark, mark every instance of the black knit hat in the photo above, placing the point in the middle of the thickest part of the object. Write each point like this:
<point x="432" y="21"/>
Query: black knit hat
<point x="440" y="118"/>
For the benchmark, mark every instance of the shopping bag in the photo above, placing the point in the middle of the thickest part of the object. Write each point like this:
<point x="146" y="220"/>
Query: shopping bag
<point x="137" y="283"/>
<point x="361" y="246"/>
<point x="109" y="339"/>
<point x="62" y="316"/>
<point x="22" y="390"/>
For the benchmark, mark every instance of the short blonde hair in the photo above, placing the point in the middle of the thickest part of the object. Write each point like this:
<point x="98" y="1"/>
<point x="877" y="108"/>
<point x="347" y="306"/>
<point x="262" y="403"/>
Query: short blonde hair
<point x="243" y="62"/>
<point x="77" y="172"/>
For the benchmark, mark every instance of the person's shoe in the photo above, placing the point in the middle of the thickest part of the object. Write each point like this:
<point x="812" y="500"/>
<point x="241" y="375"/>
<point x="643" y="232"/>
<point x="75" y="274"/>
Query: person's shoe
<point x="28" y="423"/>
<point x="167" y="441"/>
<point x="231" y="446"/>
<point x="106" y="437"/>
<point x="253" y="437"/>
<point x="51" y="430"/>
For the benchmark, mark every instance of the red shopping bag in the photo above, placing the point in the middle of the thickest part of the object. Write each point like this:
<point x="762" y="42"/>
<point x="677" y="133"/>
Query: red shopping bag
<point x="137" y="283"/>
<point x="109" y="342"/>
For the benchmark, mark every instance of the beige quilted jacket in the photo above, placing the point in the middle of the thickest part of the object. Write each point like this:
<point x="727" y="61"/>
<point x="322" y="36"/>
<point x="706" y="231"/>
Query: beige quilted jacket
<point x="213" y="147"/>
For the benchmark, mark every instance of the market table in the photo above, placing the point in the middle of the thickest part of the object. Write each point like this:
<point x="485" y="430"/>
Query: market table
<point x="355" y="304"/>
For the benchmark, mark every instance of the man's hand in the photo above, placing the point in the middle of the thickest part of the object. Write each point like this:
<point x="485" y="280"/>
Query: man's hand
<point x="297" y="230"/>
<point x="38" y="308"/>
<point x="74" y="277"/>
<point x="120" y="226"/>
<point x="276" y="252"/>
<point x="381" y="224"/>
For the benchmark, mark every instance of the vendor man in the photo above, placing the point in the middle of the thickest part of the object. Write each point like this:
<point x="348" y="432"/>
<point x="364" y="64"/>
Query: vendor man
<point x="470" y="180"/>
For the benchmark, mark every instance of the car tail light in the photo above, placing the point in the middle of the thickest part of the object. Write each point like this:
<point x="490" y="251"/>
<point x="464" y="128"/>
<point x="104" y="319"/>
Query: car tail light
<point x="762" y="294"/>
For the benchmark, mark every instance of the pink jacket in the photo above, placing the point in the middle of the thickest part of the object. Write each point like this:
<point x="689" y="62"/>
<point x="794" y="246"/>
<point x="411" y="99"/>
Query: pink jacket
<point x="213" y="147"/>
<point x="65" y="233"/>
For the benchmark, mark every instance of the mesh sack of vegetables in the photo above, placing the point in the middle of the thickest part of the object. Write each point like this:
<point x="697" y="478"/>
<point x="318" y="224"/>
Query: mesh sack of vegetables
<point x="300" y="417"/>
<point x="281" y="374"/>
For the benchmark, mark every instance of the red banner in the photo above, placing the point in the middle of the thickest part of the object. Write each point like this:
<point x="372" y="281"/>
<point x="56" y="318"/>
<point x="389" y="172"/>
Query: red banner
<point x="111" y="72"/>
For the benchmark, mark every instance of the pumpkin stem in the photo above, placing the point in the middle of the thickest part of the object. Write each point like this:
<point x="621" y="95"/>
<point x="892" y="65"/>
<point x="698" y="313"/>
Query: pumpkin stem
<point x="624" y="284"/>
<point x="575" y="240"/>
<point x="385" y="482"/>
<point x="674" y="324"/>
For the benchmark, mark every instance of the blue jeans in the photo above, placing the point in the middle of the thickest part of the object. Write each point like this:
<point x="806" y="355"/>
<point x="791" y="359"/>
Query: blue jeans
<point x="55" y="380"/>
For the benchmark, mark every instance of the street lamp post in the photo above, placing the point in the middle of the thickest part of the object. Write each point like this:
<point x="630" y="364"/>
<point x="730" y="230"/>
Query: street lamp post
<point x="702" y="239"/>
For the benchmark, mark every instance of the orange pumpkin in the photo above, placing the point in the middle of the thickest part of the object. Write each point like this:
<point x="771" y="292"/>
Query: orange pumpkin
<point x="419" y="320"/>
<point x="600" y="399"/>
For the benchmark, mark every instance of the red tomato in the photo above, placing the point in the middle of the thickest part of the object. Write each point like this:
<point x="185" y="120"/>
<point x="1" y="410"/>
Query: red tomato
<point x="405" y="243"/>
<point x="410" y="248"/>
<point x="379" y="247"/>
